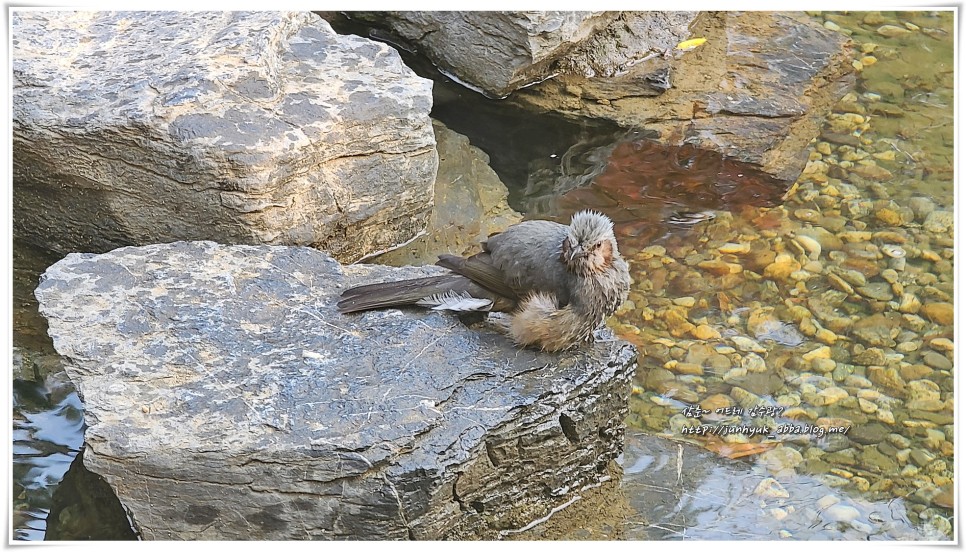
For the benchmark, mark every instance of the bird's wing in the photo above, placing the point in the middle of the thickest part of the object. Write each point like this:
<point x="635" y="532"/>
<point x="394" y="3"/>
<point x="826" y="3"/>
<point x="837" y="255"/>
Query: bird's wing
<point x="528" y="256"/>
<point x="479" y="269"/>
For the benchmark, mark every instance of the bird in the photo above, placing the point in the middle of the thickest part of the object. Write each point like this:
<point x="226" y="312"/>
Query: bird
<point x="557" y="282"/>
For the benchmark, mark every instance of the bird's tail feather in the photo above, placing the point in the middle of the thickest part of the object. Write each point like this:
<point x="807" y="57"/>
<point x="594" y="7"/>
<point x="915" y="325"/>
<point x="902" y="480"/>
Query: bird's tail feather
<point x="394" y="294"/>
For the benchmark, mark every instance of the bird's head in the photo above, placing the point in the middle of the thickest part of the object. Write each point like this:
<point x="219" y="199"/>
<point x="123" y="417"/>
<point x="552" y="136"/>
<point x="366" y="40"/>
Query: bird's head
<point x="590" y="246"/>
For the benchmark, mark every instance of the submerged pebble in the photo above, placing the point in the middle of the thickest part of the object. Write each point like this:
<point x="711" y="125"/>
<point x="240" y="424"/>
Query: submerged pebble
<point x="838" y="304"/>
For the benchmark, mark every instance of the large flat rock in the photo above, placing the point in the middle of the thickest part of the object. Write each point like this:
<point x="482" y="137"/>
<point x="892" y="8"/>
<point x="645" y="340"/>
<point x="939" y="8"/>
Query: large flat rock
<point x="240" y="127"/>
<point x="226" y="398"/>
<point x="757" y="91"/>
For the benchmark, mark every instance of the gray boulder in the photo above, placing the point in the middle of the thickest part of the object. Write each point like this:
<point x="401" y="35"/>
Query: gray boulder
<point x="495" y="52"/>
<point x="240" y="127"/>
<point x="756" y="91"/>
<point x="226" y="398"/>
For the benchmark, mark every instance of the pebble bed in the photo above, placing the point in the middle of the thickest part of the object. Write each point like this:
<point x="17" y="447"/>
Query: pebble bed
<point x="816" y="337"/>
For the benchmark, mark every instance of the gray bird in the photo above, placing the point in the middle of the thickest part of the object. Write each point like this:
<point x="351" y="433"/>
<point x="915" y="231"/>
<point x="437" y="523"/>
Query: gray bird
<point x="557" y="282"/>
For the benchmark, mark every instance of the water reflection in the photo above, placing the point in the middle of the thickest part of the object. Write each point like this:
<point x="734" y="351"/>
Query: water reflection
<point x="682" y="492"/>
<point x="48" y="429"/>
<point x="648" y="190"/>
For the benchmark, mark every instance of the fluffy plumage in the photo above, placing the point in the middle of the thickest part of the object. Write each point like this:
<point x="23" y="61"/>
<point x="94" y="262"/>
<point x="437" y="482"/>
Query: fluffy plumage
<point x="559" y="282"/>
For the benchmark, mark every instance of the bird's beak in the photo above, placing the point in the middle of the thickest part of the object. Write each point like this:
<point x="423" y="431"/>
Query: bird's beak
<point x="576" y="252"/>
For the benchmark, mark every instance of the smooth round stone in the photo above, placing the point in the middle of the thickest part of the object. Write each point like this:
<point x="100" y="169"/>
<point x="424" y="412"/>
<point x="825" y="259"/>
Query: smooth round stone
<point x="684" y="301"/>
<point x="934" y="438"/>
<point x="834" y="223"/>
<point x="719" y="363"/>
<point x="780" y="458"/>
<point x="813" y="266"/>
<point x="841" y="372"/>
<point x="807" y="215"/>
<point x="820" y="352"/>
<point x="941" y="524"/>
<point x="936" y="360"/>
<point x="841" y="513"/>
<point x="921" y="457"/>
<point x="823" y="365"/>
<point x="921" y="207"/>
<point x="876" y="462"/>
<point x="877" y="330"/>
<point x="939" y="222"/>
<point x="705" y="332"/>
<point x="827" y="501"/>
<point x="716" y="401"/>
<point x="915" y="371"/>
<point x="898" y="441"/>
<point x="869" y="434"/>
<point x="771" y="488"/>
<point x="735" y="248"/>
<point x="788" y="400"/>
<point x="885" y="416"/>
<point x="678" y="422"/>
<point x="908" y="347"/>
<point x="826" y="336"/>
<point x="909" y="303"/>
<point x="698" y="353"/>
<point x="891" y="31"/>
<point x="923" y="389"/>
<point x="940" y="313"/>
<point x="886" y="215"/>
<point x="778" y="513"/>
<point x="835" y="442"/>
<point x="858" y="381"/>
<point x="880" y="291"/>
<point x="867" y="406"/>
<point x="832" y="395"/>
<point x="918" y="407"/>
<point x="747" y="345"/>
<point x="870" y="357"/>
<point x="913" y="322"/>
<point x="686" y="368"/>
<point x="753" y="363"/>
<point x="941" y="344"/>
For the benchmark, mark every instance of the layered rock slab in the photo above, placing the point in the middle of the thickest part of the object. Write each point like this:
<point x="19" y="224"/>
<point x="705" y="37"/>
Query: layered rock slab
<point x="240" y="127"/>
<point x="226" y="398"/>
<point x="756" y="91"/>
<point x="495" y="52"/>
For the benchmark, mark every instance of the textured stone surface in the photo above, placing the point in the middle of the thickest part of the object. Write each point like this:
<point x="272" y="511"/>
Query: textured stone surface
<point x="756" y="91"/>
<point x="494" y="51"/>
<point x="225" y="397"/>
<point x="470" y="204"/>
<point x="241" y="127"/>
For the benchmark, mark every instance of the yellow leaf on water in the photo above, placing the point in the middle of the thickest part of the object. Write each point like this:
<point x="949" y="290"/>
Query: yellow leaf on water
<point x="690" y="44"/>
